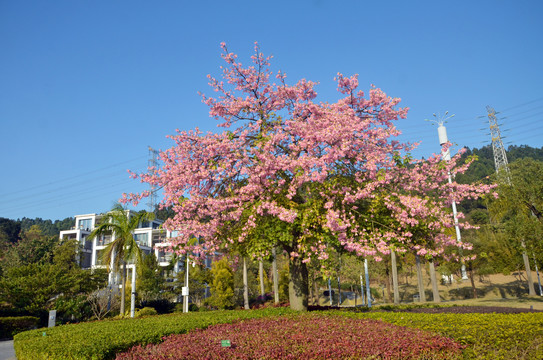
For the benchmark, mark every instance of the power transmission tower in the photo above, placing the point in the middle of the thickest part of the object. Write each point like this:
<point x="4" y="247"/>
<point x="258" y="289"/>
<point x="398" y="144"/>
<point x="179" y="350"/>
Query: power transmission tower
<point x="153" y="164"/>
<point x="500" y="157"/>
<point x="504" y="176"/>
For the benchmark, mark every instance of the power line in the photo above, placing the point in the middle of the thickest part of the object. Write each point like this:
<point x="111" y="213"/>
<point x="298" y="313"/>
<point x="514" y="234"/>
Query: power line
<point x="521" y="105"/>
<point x="55" y="182"/>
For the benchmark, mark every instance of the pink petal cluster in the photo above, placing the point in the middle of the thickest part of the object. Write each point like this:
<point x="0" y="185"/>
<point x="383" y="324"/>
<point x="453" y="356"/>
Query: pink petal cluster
<point x="331" y="173"/>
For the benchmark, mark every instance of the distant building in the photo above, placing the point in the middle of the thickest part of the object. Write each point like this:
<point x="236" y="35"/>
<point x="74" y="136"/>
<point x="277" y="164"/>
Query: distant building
<point x="149" y="236"/>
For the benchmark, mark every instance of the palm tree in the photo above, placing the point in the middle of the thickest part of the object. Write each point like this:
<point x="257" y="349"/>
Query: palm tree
<point x="120" y="223"/>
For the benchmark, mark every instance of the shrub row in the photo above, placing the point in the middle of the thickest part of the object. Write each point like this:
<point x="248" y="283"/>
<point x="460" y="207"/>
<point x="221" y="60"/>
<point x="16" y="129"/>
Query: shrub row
<point x="301" y="336"/>
<point x="487" y="336"/>
<point x="103" y="339"/>
<point x="12" y="325"/>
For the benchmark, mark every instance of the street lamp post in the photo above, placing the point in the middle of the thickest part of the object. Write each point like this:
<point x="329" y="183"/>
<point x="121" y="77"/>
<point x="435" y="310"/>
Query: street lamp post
<point x="442" y="134"/>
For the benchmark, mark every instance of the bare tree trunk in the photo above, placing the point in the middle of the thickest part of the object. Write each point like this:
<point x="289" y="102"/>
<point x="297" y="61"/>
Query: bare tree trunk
<point x="245" y="285"/>
<point x="298" y="287"/>
<point x="388" y="284"/>
<point x="395" y="278"/>
<point x="470" y="272"/>
<point x="531" y="289"/>
<point x="261" y="273"/>
<point x="315" y="290"/>
<point x="435" y="289"/>
<point x="275" y="277"/>
<point x="420" y="282"/>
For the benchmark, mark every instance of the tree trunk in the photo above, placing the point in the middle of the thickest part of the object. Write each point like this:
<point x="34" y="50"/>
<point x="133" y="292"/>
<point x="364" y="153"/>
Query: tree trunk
<point x="395" y="278"/>
<point x="435" y="290"/>
<point x="420" y="282"/>
<point x="123" y="294"/>
<point x="315" y="290"/>
<point x="261" y="273"/>
<point x="470" y="271"/>
<point x="298" y="286"/>
<point x="361" y="289"/>
<point x="388" y="284"/>
<point x="531" y="289"/>
<point x="245" y="285"/>
<point x="275" y="277"/>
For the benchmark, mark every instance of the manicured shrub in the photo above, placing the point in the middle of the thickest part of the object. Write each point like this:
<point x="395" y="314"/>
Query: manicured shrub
<point x="307" y="336"/>
<point x="162" y="306"/>
<point x="146" y="311"/>
<point x="103" y="339"/>
<point x="487" y="336"/>
<point x="12" y="325"/>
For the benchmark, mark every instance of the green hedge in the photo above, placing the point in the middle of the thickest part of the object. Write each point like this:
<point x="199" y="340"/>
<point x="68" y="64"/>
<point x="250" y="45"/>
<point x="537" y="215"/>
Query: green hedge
<point x="103" y="339"/>
<point x="488" y="336"/>
<point x="12" y="325"/>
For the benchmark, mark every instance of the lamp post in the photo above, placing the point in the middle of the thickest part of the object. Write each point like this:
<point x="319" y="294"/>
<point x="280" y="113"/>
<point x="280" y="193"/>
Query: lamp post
<point x="442" y="134"/>
<point x="185" y="289"/>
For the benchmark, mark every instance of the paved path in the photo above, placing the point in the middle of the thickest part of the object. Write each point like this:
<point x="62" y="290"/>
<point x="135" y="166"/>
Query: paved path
<point x="6" y="350"/>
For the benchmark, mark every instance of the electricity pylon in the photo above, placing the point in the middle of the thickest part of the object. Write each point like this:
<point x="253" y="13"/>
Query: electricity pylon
<point x="500" y="157"/>
<point x="504" y="176"/>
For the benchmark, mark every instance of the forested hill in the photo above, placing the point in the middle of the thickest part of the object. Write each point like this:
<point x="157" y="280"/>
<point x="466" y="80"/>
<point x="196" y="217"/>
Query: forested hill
<point x="10" y="230"/>
<point x="484" y="166"/>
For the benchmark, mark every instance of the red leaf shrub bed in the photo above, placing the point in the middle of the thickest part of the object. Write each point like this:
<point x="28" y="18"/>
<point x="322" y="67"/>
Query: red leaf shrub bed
<point x="301" y="337"/>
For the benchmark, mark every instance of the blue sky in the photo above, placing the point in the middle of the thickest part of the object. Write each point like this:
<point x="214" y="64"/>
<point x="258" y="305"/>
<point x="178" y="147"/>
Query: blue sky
<point x="87" y="86"/>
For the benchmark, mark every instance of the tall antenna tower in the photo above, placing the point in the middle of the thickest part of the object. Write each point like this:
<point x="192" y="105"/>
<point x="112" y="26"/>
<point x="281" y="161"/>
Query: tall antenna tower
<point x="500" y="158"/>
<point x="504" y="175"/>
<point x="152" y="163"/>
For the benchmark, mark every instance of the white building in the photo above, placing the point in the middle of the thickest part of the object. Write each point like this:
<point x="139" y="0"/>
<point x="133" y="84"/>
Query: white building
<point x="149" y="236"/>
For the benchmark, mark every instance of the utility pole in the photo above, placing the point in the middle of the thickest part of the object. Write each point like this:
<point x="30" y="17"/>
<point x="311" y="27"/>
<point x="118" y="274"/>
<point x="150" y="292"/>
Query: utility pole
<point x="368" y="289"/>
<point x="504" y="176"/>
<point x="442" y="134"/>
<point x="185" y="289"/>
<point x="153" y="164"/>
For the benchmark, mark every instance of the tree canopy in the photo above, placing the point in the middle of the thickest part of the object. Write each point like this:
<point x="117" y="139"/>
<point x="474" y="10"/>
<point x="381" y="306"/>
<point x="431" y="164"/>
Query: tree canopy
<point x="309" y="175"/>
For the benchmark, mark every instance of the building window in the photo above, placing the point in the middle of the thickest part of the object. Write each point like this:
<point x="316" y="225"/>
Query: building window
<point x="141" y="239"/>
<point x="85" y="224"/>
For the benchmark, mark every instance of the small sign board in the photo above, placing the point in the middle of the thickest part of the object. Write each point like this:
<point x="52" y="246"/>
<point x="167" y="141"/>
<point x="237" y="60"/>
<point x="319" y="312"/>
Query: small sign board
<point x="225" y="343"/>
<point x="52" y="318"/>
<point x="185" y="291"/>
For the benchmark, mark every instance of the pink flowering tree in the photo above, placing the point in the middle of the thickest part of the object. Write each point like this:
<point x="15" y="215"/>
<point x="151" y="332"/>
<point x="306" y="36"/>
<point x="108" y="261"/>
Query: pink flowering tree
<point x="291" y="172"/>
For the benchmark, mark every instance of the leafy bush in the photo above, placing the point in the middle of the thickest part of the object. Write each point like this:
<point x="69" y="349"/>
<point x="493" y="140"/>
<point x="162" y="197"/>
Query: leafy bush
<point x="162" y="306"/>
<point x="103" y="339"/>
<point x="146" y="311"/>
<point x="10" y="326"/>
<point x="307" y="336"/>
<point x="487" y="336"/>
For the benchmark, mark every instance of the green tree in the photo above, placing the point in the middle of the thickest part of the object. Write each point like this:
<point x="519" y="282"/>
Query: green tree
<point x="222" y="287"/>
<point x="121" y="223"/>
<point x="519" y="210"/>
<point x="61" y="285"/>
<point x="151" y="283"/>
